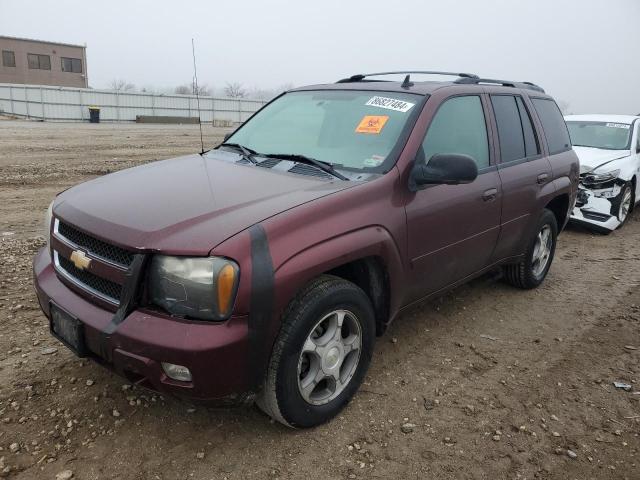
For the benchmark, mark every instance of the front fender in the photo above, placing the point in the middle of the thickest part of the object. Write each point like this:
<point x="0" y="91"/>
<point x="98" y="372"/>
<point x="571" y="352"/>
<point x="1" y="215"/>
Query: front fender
<point x="301" y="267"/>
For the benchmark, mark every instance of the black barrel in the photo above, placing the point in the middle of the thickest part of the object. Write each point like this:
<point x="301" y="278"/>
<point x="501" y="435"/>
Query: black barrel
<point x="94" y="115"/>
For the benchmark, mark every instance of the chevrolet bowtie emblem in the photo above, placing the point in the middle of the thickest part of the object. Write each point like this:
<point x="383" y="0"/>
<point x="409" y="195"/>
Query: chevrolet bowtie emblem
<point x="80" y="260"/>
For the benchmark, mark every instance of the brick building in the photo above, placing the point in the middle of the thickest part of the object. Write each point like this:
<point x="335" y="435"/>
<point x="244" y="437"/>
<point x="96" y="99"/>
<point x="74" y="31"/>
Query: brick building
<point x="38" y="62"/>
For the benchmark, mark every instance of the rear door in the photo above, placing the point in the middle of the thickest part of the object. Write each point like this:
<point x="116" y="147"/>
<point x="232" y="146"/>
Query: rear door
<point x="525" y="172"/>
<point x="453" y="229"/>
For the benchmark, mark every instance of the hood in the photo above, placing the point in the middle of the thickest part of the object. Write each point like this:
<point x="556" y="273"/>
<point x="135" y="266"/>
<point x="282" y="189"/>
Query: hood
<point x="591" y="158"/>
<point x="186" y="205"/>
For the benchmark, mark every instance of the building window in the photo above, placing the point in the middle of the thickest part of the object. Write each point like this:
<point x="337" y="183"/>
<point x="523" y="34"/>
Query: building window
<point x="38" y="62"/>
<point x="8" y="58"/>
<point x="73" y="65"/>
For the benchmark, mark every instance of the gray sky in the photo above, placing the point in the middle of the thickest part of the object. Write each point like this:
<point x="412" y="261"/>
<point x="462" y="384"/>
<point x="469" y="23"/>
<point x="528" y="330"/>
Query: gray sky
<point x="584" y="52"/>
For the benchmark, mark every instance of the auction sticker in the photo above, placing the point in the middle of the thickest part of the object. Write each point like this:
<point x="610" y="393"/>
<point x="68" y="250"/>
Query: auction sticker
<point x="390" y="104"/>
<point x="372" y="124"/>
<point x="373" y="161"/>
<point x="619" y="125"/>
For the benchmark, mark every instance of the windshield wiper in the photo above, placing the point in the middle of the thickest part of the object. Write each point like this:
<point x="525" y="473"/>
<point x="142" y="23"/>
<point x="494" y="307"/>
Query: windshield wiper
<point x="247" y="153"/>
<point x="296" y="157"/>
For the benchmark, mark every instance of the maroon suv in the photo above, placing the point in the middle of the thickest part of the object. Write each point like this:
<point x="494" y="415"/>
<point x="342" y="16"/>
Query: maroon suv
<point x="264" y="269"/>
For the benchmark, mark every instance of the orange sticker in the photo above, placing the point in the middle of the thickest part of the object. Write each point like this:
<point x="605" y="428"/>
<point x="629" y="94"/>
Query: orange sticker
<point x="372" y="124"/>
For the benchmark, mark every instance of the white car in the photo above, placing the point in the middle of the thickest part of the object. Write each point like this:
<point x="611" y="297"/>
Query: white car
<point x="609" y="150"/>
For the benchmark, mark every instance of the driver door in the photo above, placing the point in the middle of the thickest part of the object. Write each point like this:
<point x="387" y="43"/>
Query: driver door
<point x="453" y="229"/>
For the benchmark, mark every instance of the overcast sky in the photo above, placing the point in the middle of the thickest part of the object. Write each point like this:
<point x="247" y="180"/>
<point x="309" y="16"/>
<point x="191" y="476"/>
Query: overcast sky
<point x="584" y="52"/>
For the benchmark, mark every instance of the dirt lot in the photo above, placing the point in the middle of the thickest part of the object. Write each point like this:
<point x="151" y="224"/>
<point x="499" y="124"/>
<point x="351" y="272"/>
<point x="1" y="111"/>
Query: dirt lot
<point x="497" y="383"/>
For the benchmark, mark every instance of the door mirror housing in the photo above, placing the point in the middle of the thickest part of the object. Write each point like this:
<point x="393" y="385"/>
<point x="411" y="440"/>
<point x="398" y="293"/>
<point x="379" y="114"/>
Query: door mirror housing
<point x="443" y="169"/>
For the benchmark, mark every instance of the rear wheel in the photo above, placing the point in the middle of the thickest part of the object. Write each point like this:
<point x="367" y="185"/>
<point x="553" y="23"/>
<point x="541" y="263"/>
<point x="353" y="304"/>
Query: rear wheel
<point x="321" y="355"/>
<point x="532" y="270"/>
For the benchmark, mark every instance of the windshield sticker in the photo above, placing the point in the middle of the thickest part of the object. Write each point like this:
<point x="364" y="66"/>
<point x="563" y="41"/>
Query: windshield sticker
<point x="374" y="161"/>
<point x="372" y="124"/>
<point x="618" y="125"/>
<point x="390" y="104"/>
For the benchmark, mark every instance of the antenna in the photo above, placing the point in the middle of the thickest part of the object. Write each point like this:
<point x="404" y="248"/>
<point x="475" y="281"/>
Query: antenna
<point x="195" y="82"/>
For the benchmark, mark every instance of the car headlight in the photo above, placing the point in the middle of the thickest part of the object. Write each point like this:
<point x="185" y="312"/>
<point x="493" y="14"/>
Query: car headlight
<point x="598" y="178"/>
<point x="194" y="287"/>
<point x="47" y="224"/>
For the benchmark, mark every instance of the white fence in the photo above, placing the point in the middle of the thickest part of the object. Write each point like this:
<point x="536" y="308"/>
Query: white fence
<point x="72" y="104"/>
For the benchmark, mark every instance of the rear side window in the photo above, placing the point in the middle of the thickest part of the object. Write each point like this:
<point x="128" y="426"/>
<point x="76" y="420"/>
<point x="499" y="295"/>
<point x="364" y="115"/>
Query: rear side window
<point x="515" y="131"/>
<point x="553" y="125"/>
<point x="459" y="127"/>
<point x="530" y="141"/>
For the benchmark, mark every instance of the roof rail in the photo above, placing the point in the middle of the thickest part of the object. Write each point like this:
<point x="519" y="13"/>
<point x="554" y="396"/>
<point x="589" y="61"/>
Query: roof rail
<point x="406" y="83"/>
<point x="504" y="83"/>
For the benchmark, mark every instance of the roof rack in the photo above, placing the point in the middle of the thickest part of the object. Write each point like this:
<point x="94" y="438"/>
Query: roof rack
<point x="504" y="83"/>
<point x="463" y="78"/>
<point x="407" y="81"/>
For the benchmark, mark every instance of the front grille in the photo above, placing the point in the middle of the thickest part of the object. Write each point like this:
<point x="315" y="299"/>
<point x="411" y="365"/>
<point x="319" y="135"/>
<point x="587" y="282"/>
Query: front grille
<point x="86" y="279"/>
<point x="94" y="246"/>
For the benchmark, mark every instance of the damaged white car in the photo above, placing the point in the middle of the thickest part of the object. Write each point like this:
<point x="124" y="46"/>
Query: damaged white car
<point x="609" y="150"/>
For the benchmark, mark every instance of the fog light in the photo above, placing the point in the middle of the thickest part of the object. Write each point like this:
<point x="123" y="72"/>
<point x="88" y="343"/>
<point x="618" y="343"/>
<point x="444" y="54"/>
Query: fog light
<point x="176" y="372"/>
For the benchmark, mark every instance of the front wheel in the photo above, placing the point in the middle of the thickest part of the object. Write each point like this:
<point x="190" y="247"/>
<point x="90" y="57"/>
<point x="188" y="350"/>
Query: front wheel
<point x="626" y="204"/>
<point x="532" y="270"/>
<point x="321" y="354"/>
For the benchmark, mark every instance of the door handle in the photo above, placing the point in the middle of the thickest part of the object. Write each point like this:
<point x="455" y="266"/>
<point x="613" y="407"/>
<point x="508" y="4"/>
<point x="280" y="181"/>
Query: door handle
<point x="490" y="194"/>
<point x="542" y="178"/>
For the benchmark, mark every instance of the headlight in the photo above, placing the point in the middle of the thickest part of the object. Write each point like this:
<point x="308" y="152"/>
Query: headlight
<point x="47" y="224"/>
<point x="597" y="178"/>
<point x="201" y="288"/>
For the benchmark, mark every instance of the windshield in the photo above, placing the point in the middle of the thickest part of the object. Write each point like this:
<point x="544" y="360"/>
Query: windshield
<point x="351" y="129"/>
<point x="606" y="135"/>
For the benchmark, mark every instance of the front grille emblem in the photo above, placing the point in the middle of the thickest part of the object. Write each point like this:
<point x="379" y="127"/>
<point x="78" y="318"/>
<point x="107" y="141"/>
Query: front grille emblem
<point x="80" y="259"/>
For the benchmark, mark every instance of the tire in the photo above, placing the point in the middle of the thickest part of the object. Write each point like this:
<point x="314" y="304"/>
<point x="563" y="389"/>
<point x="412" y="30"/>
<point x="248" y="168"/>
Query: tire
<point x="528" y="273"/>
<point x="311" y="320"/>
<point x="625" y="205"/>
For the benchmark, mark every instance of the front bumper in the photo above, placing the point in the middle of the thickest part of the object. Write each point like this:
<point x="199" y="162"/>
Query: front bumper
<point x="595" y="211"/>
<point x="215" y="353"/>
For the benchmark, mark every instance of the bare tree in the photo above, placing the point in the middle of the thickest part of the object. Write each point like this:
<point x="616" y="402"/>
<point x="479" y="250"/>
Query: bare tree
<point x="120" y="85"/>
<point x="235" y="90"/>
<point x="203" y="90"/>
<point x="182" y="90"/>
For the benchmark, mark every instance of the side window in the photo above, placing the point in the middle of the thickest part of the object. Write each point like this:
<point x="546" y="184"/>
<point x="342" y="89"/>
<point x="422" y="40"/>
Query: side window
<point x="38" y="62"/>
<point x="459" y="127"/>
<point x="530" y="141"/>
<point x="509" y="127"/>
<point x="71" y="65"/>
<point x="8" y="58"/>
<point x="553" y="125"/>
<point x="515" y="129"/>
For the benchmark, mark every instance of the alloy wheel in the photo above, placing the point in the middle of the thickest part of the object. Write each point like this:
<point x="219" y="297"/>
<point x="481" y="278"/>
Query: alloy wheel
<point x="329" y="357"/>
<point x="542" y="250"/>
<point x="625" y="205"/>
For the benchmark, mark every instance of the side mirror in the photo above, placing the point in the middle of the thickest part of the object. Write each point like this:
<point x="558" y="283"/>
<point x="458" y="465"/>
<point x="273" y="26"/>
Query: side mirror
<point x="443" y="168"/>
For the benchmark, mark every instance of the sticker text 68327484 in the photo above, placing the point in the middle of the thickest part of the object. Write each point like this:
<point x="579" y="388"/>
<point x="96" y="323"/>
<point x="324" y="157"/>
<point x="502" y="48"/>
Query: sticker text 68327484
<point x="390" y="104"/>
<point x="619" y="125"/>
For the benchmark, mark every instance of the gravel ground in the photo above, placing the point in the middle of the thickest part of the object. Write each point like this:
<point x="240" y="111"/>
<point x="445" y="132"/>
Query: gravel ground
<point x="488" y="382"/>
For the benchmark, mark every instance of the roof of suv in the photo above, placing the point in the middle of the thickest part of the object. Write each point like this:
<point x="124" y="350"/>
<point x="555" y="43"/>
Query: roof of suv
<point x="362" y="82"/>
<point x="603" y="118"/>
